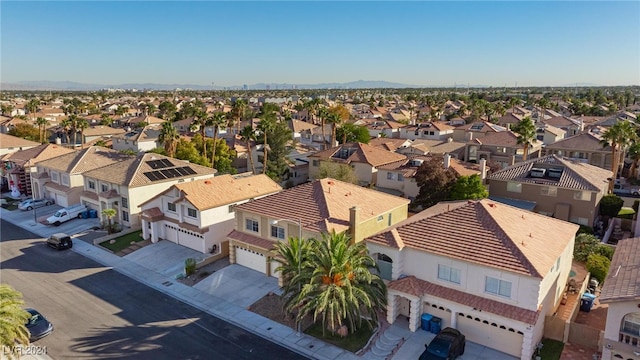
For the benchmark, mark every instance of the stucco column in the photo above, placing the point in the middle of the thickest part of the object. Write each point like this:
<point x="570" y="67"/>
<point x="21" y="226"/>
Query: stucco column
<point x="454" y="319"/>
<point x="232" y="253"/>
<point x="415" y="315"/>
<point x="145" y="229"/>
<point x="392" y="308"/>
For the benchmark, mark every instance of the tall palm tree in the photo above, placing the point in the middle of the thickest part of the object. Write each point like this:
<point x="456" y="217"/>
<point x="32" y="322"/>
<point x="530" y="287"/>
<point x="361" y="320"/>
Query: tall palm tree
<point x="526" y="131"/>
<point x="32" y="107"/>
<point x="335" y="120"/>
<point x="618" y="137"/>
<point x="288" y="256"/>
<point x="200" y="123"/>
<point x="248" y="135"/>
<point x="267" y="122"/>
<point x="216" y="121"/>
<point x="634" y="154"/>
<point x="66" y="126"/>
<point x="339" y="287"/>
<point x="169" y="138"/>
<point x="73" y="123"/>
<point x="323" y="113"/>
<point x="82" y="125"/>
<point x="12" y="320"/>
<point x="239" y="111"/>
<point x="42" y="125"/>
<point x="106" y="119"/>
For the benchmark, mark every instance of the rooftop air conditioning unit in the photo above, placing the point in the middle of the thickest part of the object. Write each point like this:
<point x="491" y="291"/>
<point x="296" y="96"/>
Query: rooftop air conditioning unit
<point x="538" y="172"/>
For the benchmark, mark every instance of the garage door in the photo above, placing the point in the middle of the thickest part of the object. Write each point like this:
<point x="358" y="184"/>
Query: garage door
<point x="490" y="334"/>
<point x="170" y="233"/>
<point x="251" y="259"/>
<point x="440" y="312"/>
<point x="274" y="265"/>
<point x="61" y="200"/>
<point x="190" y="240"/>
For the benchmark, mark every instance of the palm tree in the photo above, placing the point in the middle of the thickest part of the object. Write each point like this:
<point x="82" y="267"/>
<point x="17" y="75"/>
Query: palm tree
<point x="42" y="124"/>
<point x="287" y="254"/>
<point x="73" y="123"/>
<point x="334" y="120"/>
<point x="6" y="109"/>
<point x="513" y="102"/>
<point x="634" y="154"/>
<point x="169" y="138"/>
<point x="339" y="287"/>
<point x="66" y="126"/>
<point x="248" y="135"/>
<point x="109" y="214"/>
<point x="618" y="137"/>
<point x="266" y="124"/>
<point x="200" y="123"/>
<point x="323" y="113"/>
<point x="82" y="125"/>
<point x="216" y="121"/>
<point x="106" y="119"/>
<point x="239" y="111"/>
<point x="12" y="320"/>
<point x="526" y="135"/>
<point x="32" y="107"/>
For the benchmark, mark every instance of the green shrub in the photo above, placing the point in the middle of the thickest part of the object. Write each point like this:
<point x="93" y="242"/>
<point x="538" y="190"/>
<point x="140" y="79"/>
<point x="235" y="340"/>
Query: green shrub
<point x="598" y="266"/>
<point x="604" y="250"/>
<point x="610" y="205"/>
<point x="585" y="230"/>
<point x="585" y="245"/>
<point x="190" y="266"/>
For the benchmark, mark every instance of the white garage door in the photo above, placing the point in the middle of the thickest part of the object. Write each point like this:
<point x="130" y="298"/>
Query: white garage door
<point x="170" y="233"/>
<point x="497" y="337"/>
<point x="444" y="315"/>
<point x="250" y="259"/>
<point x="61" y="200"/>
<point x="274" y="265"/>
<point x="190" y="239"/>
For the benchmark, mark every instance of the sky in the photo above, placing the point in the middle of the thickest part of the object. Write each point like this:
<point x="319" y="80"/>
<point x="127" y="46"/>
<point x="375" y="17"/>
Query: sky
<point x="427" y="43"/>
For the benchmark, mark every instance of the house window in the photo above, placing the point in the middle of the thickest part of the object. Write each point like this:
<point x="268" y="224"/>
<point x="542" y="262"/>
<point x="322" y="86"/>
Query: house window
<point x="277" y="232"/>
<point x="449" y="274"/>
<point x="104" y="187"/>
<point x="125" y="216"/>
<point x="54" y="176"/>
<point x="549" y="191"/>
<point x="631" y="324"/>
<point x="501" y="149"/>
<point x="316" y="163"/>
<point x="251" y="225"/>
<point x="171" y="207"/>
<point x="65" y="179"/>
<point x="391" y="176"/>
<point x="92" y="185"/>
<point x="497" y="287"/>
<point x="125" y="202"/>
<point x="400" y="177"/>
<point x="192" y="212"/>
<point x="514" y="187"/>
<point x="582" y="195"/>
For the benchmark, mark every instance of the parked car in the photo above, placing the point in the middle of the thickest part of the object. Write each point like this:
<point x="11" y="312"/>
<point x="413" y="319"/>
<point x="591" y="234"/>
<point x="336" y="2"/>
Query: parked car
<point x="38" y="325"/>
<point x="447" y="345"/>
<point x="628" y="191"/>
<point x="66" y="214"/>
<point x="30" y="204"/>
<point x="60" y="241"/>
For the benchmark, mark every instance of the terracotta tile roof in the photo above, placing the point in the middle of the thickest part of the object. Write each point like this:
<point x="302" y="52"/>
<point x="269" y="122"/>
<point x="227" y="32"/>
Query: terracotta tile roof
<point x="417" y="287"/>
<point x="561" y="121"/>
<point x="503" y="138"/>
<point x="388" y="144"/>
<point x="510" y="118"/>
<point x="323" y="205"/>
<point x="87" y="159"/>
<point x="58" y="187"/>
<point x="298" y="126"/>
<point x="32" y="156"/>
<point x="226" y="189"/>
<point x="359" y="153"/>
<point x="130" y="172"/>
<point x="487" y="233"/>
<point x="623" y="280"/>
<point x="102" y="130"/>
<point x="585" y="141"/>
<point x="575" y="175"/>
<point x="10" y="141"/>
<point x="152" y="214"/>
<point x="89" y="194"/>
<point x="250" y="239"/>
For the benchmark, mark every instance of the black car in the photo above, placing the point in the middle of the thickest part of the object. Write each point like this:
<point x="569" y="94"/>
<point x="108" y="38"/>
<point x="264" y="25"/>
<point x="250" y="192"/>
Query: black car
<point x="60" y="241"/>
<point x="447" y="345"/>
<point x="38" y="325"/>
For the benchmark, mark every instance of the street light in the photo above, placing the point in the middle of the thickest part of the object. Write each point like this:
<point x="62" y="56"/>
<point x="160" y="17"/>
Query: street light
<point x="299" y="221"/>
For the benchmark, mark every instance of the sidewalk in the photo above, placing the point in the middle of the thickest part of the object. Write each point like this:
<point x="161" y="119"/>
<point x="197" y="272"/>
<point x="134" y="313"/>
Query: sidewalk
<point x="219" y="307"/>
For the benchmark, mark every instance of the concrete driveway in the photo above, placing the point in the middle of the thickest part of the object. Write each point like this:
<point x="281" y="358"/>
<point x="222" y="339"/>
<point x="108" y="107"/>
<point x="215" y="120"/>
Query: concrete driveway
<point x="239" y="285"/>
<point x="25" y="220"/>
<point x="164" y="257"/>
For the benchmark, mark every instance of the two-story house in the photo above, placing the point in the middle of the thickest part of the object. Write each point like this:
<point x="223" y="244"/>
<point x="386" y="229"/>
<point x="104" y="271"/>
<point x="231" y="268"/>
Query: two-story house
<point x="363" y="158"/>
<point x="586" y="147"/>
<point x="138" y="140"/>
<point x="621" y="292"/>
<point x="61" y="178"/>
<point x="469" y="132"/>
<point x="10" y="144"/>
<point x="549" y="134"/>
<point x="308" y="211"/>
<point x="559" y="187"/>
<point x="126" y="184"/>
<point x="570" y="125"/>
<point x="199" y="214"/>
<point x="490" y="270"/>
<point x="500" y="147"/>
<point x="436" y="130"/>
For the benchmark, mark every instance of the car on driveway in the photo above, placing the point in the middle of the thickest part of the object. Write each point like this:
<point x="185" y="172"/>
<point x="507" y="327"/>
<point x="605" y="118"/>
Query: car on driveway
<point x="30" y="204"/>
<point x="60" y="241"/>
<point x="447" y="345"/>
<point x="38" y="325"/>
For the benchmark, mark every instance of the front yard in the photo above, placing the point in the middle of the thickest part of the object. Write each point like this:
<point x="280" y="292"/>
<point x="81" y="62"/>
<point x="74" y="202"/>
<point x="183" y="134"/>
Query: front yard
<point x="123" y="241"/>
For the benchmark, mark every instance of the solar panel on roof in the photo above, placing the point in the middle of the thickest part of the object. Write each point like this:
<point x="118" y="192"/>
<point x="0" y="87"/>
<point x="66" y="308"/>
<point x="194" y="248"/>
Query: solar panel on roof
<point x="181" y="171"/>
<point x="168" y="174"/>
<point x="166" y="163"/>
<point x="159" y="164"/>
<point x="153" y="176"/>
<point x="189" y="170"/>
<point x="175" y="172"/>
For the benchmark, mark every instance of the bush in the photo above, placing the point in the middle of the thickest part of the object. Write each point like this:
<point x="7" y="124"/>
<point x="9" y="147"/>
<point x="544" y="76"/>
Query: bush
<point x="604" y="250"/>
<point x="585" y="230"/>
<point x="190" y="266"/>
<point x="585" y="245"/>
<point x="598" y="266"/>
<point x="610" y="205"/>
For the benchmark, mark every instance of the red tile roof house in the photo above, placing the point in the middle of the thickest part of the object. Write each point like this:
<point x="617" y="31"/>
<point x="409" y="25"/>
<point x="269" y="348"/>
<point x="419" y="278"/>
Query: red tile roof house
<point x="309" y="209"/>
<point x="199" y="214"/>
<point x="585" y="147"/>
<point x="621" y="292"/>
<point x="556" y="186"/>
<point x="490" y="270"/>
<point x="500" y="147"/>
<point x="363" y="158"/>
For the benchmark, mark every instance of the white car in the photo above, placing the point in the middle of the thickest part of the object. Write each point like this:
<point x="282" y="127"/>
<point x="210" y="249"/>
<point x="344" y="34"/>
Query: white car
<point x="34" y="203"/>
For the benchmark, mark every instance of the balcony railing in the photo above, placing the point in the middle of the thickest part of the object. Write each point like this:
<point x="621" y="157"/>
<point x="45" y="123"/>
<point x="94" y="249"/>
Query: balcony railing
<point x="629" y="339"/>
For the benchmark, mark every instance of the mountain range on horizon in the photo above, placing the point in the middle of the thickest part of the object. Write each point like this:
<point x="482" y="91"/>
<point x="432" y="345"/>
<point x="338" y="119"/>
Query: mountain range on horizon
<point x="360" y="84"/>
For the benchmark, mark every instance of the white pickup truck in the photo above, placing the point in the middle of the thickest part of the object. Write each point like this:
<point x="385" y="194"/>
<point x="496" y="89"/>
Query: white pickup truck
<point x="66" y="214"/>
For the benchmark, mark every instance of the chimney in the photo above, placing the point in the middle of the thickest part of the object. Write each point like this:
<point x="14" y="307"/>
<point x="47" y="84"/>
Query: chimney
<point x="483" y="169"/>
<point x="354" y="230"/>
<point x="447" y="161"/>
<point x="469" y="136"/>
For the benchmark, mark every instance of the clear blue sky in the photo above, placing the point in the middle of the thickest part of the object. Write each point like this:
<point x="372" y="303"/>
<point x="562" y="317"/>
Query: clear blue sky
<point x="301" y="42"/>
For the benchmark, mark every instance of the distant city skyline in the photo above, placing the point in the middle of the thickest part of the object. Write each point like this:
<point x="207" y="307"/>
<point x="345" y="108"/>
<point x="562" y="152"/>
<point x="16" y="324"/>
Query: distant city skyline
<point x="230" y="44"/>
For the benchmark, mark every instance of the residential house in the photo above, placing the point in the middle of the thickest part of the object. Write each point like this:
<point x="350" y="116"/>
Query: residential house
<point x="559" y="187"/>
<point x="308" y="211"/>
<point x="549" y="134"/>
<point x="315" y="137"/>
<point x="101" y="131"/>
<point x="10" y="144"/>
<point x="138" y="140"/>
<point x="144" y="119"/>
<point x="586" y="147"/>
<point x="199" y="214"/>
<point x="436" y="130"/>
<point x="127" y="184"/>
<point x="500" y="147"/>
<point x="570" y="125"/>
<point x="379" y="127"/>
<point x="475" y="130"/>
<point x="392" y="145"/>
<point x="298" y="127"/>
<point x="18" y="166"/>
<point x="509" y="120"/>
<point x="61" y="178"/>
<point x="364" y="159"/>
<point x="487" y="269"/>
<point x="422" y="147"/>
<point x="621" y="293"/>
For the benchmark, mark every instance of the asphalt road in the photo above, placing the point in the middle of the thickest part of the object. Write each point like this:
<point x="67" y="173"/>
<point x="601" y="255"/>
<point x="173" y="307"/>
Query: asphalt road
<point x="99" y="314"/>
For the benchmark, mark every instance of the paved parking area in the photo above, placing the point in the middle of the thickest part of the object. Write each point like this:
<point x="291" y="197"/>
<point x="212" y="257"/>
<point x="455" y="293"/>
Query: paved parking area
<point x="26" y="220"/>
<point x="164" y="257"/>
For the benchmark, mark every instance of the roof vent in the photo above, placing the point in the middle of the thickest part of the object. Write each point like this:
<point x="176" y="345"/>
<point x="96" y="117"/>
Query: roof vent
<point x="330" y="182"/>
<point x="208" y="182"/>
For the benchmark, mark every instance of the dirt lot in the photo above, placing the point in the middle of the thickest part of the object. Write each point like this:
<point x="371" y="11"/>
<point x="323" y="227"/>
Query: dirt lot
<point x="270" y="306"/>
<point x="202" y="272"/>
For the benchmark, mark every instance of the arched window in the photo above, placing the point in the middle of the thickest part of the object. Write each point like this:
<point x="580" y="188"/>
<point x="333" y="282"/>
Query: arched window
<point x="631" y="324"/>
